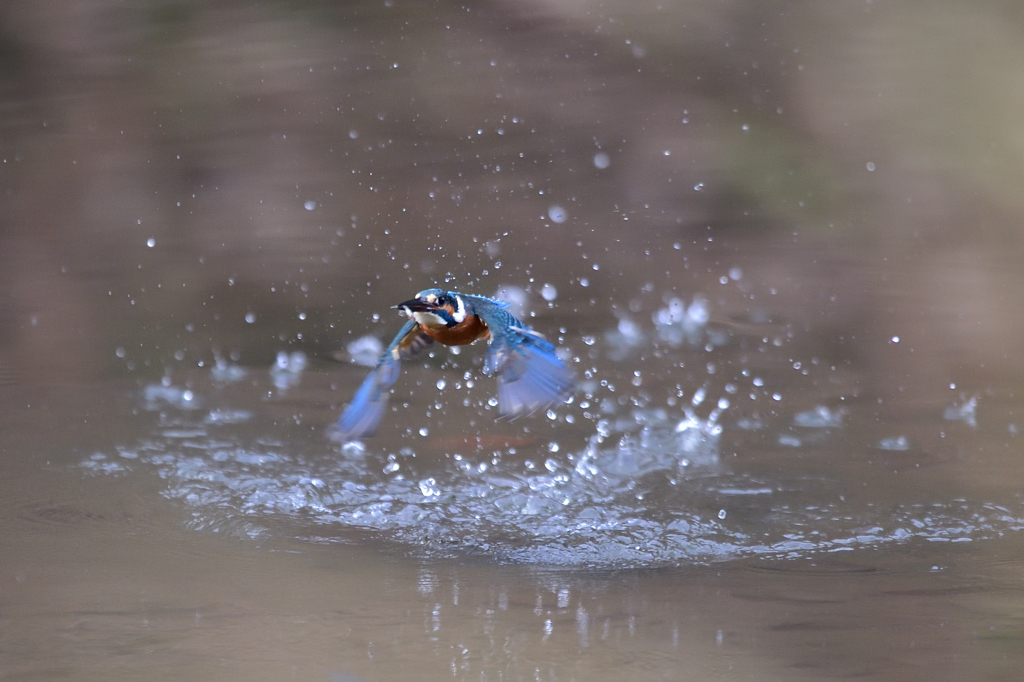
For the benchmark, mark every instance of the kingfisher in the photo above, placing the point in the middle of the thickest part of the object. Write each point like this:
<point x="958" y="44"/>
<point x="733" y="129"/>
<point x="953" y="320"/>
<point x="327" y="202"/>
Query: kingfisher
<point x="530" y="374"/>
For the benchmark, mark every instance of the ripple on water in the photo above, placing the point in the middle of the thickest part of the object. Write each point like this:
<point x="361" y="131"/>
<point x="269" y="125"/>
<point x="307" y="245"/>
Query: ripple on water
<point x="646" y="497"/>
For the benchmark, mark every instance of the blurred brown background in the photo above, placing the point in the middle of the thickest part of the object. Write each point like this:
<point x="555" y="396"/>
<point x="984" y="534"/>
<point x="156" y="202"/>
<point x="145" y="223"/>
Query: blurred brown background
<point x="862" y="159"/>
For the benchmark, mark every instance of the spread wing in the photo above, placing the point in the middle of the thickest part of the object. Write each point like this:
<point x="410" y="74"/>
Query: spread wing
<point x="361" y="416"/>
<point x="530" y="374"/>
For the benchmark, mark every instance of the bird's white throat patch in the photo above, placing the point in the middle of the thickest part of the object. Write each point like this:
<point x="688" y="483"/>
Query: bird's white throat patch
<point x="460" y="310"/>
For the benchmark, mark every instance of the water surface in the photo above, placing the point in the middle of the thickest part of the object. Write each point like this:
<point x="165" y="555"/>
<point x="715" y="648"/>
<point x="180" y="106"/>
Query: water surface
<point x="780" y="250"/>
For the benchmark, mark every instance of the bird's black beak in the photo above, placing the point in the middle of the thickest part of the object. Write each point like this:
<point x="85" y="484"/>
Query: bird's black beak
<point x="414" y="305"/>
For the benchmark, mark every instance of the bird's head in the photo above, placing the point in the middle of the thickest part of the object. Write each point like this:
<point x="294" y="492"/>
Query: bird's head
<point x="435" y="308"/>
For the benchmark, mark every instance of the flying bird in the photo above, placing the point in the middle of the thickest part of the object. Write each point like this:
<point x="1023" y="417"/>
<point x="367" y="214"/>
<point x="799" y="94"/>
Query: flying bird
<point x="530" y="375"/>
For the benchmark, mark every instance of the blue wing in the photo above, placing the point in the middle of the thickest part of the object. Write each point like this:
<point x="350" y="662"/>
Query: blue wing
<point x="362" y="415"/>
<point x="530" y="374"/>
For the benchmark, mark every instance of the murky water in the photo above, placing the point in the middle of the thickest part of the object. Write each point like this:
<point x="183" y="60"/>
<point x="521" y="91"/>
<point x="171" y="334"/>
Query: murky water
<point x="795" y="448"/>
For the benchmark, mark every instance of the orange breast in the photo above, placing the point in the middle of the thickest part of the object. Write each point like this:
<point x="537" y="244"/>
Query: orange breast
<point x="467" y="331"/>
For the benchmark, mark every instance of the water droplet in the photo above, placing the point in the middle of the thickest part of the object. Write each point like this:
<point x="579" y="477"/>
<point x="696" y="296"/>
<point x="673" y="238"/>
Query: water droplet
<point x="897" y="443"/>
<point x="441" y="384"/>
<point x="870" y="166"/>
<point x="699" y="187"/>
<point x="721" y="513"/>
<point x="548" y="292"/>
<point x="602" y="160"/>
<point x="821" y="417"/>
<point x="250" y="317"/>
<point x="557" y="214"/>
<point x="424" y="431"/>
<point x="151" y="242"/>
<point x="310" y="205"/>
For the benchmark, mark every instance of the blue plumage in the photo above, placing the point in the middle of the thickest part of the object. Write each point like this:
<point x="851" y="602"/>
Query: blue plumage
<point x="530" y="375"/>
